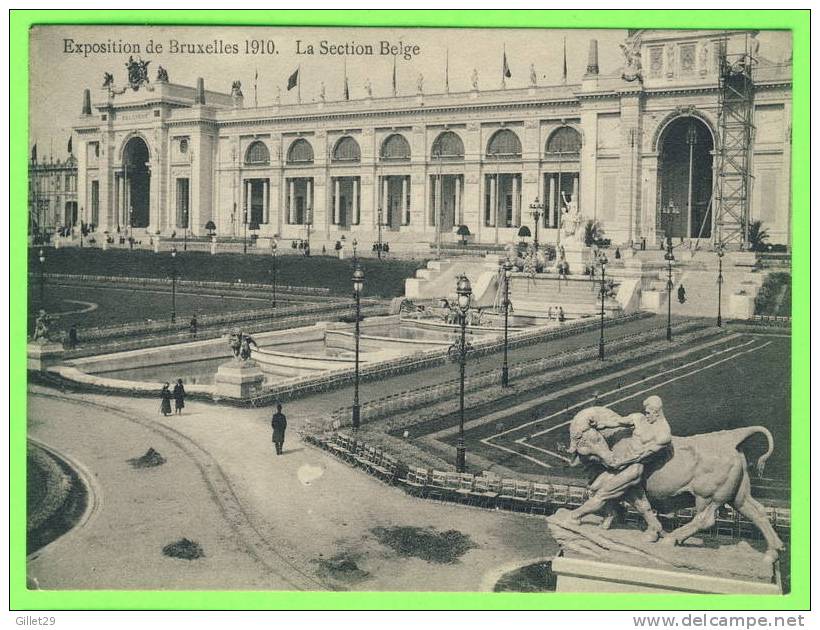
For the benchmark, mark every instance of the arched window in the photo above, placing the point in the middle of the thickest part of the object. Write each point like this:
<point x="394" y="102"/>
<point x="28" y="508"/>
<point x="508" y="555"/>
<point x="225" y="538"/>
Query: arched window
<point x="395" y="147"/>
<point x="257" y="154"/>
<point x="300" y="152"/>
<point x="448" y="146"/>
<point x="564" y="140"/>
<point x="347" y="150"/>
<point x="504" y="145"/>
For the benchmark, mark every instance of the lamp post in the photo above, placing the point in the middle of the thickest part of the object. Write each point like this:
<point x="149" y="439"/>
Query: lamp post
<point x="355" y="244"/>
<point x="245" y="231"/>
<point x="536" y="209"/>
<point x="358" y="284"/>
<point x="185" y="233"/>
<point x="42" y="279"/>
<point x="507" y="270"/>
<point x="603" y="261"/>
<point x="82" y="213"/>
<point x="720" y="252"/>
<point x="464" y="290"/>
<point x="173" y="285"/>
<point x="670" y="258"/>
<point x="273" y="245"/>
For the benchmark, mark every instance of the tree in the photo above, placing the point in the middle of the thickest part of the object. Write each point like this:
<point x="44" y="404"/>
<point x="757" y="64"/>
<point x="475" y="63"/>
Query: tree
<point x="757" y="236"/>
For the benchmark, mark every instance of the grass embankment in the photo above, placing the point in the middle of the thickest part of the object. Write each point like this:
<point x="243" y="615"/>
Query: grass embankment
<point x="383" y="278"/>
<point x="775" y="296"/>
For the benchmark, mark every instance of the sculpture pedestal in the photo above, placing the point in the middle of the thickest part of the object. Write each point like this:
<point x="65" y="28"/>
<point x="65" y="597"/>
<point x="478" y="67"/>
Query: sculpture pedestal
<point x="238" y="379"/>
<point x="43" y="354"/>
<point x="578" y="256"/>
<point x="621" y="560"/>
<point x="578" y="574"/>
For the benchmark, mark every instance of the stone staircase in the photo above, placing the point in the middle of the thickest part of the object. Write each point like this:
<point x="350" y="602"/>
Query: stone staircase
<point x="578" y="296"/>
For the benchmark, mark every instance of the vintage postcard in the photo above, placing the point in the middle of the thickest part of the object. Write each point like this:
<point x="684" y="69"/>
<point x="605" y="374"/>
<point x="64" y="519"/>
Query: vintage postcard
<point x="410" y="310"/>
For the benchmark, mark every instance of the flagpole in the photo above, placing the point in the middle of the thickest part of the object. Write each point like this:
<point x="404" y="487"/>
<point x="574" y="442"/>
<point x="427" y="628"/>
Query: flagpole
<point x="564" y="76"/>
<point x="255" y="93"/>
<point x="299" y="84"/>
<point x="395" y="88"/>
<point x="447" y="72"/>
<point x="504" y="68"/>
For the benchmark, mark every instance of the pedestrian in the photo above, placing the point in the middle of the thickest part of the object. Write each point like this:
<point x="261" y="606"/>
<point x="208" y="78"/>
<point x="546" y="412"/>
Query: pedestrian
<point x="681" y="294"/>
<point x="165" y="400"/>
<point x="194" y="326"/>
<point x="561" y="316"/>
<point x="179" y="397"/>
<point x="278" y="423"/>
<point x="617" y="253"/>
<point x="549" y="313"/>
<point x="72" y="337"/>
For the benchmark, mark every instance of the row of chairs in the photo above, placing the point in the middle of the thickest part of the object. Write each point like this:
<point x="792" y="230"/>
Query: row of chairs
<point x="491" y="491"/>
<point x="358" y="453"/>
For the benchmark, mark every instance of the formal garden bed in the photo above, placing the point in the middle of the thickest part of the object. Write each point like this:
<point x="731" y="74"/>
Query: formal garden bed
<point x="383" y="278"/>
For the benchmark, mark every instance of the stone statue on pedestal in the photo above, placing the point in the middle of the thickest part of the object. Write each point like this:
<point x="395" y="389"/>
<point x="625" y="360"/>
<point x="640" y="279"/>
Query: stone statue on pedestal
<point x="646" y="466"/>
<point x="41" y="327"/>
<point x="571" y="219"/>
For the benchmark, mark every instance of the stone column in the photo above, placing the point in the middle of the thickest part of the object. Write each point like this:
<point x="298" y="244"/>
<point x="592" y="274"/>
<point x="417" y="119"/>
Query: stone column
<point x="550" y="207"/>
<point x="384" y="203"/>
<point x="336" y="201"/>
<point x="436" y="200"/>
<point x="404" y="205"/>
<point x="516" y="205"/>
<point x="291" y="201"/>
<point x="267" y="201"/>
<point x="355" y="218"/>
<point x="493" y="201"/>
<point x="308" y="200"/>
<point x="458" y="213"/>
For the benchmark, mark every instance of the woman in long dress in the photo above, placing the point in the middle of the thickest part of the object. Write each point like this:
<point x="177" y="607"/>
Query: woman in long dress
<point x="165" y="401"/>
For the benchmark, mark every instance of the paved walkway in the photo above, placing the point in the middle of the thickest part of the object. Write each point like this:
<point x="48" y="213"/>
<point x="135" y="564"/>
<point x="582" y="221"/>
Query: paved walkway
<point x="264" y="522"/>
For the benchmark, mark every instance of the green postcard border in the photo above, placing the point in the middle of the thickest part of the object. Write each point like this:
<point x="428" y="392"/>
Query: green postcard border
<point x="795" y="20"/>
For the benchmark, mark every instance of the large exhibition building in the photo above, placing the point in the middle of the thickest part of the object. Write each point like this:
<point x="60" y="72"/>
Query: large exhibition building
<point x="692" y="137"/>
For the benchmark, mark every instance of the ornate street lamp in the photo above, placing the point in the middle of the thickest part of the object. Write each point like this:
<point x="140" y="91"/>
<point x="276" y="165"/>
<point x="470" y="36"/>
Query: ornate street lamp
<point x="464" y="290"/>
<point x="670" y="258"/>
<point x="358" y="284"/>
<point x="507" y="269"/>
<point x="273" y="245"/>
<point x="536" y="210"/>
<point x="602" y="261"/>
<point x="42" y="279"/>
<point x="173" y="285"/>
<point x="719" y="248"/>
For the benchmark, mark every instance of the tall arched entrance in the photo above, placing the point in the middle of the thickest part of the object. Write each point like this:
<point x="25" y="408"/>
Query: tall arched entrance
<point x="138" y="181"/>
<point x="685" y="179"/>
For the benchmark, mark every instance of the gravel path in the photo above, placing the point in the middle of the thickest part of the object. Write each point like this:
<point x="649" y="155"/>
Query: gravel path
<point x="264" y="522"/>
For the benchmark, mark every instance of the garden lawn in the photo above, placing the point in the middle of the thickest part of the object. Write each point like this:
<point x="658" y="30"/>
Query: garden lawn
<point x="383" y="278"/>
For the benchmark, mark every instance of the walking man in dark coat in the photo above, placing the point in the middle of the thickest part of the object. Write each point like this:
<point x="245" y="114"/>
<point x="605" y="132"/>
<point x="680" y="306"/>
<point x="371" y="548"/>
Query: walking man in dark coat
<point x="278" y="423"/>
<point x="179" y="397"/>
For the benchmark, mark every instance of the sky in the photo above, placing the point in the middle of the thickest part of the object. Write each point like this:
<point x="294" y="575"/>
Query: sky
<point x="58" y="77"/>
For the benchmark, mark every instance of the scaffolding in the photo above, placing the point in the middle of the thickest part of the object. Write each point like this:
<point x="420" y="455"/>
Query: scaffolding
<point x="736" y="129"/>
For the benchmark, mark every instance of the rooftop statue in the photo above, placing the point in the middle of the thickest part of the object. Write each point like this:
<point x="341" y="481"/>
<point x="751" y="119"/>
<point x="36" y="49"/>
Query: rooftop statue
<point x="641" y="462"/>
<point x="236" y="88"/>
<point x="108" y="79"/>
<point x="474" y="79"/>
<point x="162" y="74"/>
<point x="632" y="69"/>
<point x="137" y="72"/>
